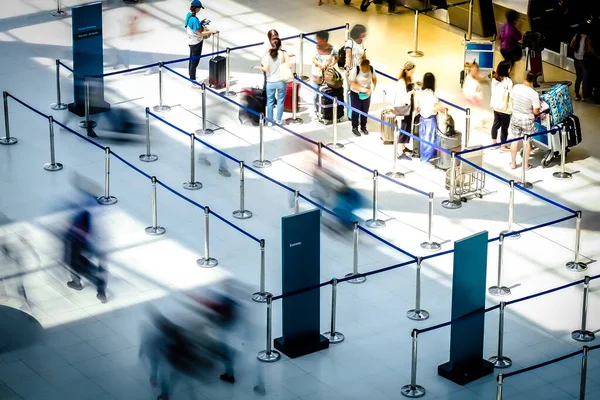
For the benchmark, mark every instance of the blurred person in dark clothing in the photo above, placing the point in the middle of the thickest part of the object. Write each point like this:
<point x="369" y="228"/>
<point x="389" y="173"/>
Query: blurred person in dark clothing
<point x="13" y="267"/>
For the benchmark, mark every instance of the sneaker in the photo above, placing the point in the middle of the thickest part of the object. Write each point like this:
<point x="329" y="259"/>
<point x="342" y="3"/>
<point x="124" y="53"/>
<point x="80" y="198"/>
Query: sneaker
<point x="75" y="285"/>
<point x="102" y="298"/>
<point x="578" y="98"/>
<point x="224" y="172"/>
<point x="355" y="132"/>
<point x="227" y="378"/>
<point x="364" y="131"/>
<point x="204" y="161"/>
<point x="404" y="157"/>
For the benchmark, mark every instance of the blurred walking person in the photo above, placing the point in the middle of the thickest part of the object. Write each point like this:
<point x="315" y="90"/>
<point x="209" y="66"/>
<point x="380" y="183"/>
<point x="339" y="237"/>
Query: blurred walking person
<point x="510" y="38"/>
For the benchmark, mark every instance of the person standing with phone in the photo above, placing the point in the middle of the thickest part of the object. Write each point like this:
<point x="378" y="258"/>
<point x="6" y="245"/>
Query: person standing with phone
<point x="197" y="31"/>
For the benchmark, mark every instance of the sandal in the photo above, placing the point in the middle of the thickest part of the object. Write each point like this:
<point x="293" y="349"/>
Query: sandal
<point x="529" y="166"/>
<point x="513" y="166"/>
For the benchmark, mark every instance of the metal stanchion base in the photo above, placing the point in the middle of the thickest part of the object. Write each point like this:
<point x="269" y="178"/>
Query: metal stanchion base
<point x="335" y="338"/>
<point x="229" y="93"/>
<point x="58" y="13"/>
<point x="336" y="146"/>
<point x="507" y="236"/>
<point x="412" y="391"/>
<point x="431" y="246"/>
<point x="416" y="53"/>
<point x="577" y="266"/>
<point x="192" y="185"/>
<point x="294" y="121"/>
<point x="155" y="231"/>
<point x="396" y="175"/>
<point x="207" y="262"/>
<point x="583" y="336"/>
<point x="205" y="132"/>
<point x="452" y="205"/>
<point x="161" y="108"/>
<point x="267" y="357"/>
<point x="417" y="315"/>
<point x="58" y="106"/>
<point x="8" y="140"/>
<point x="375" y="223"/>
<point x="526" y="185"/>
<point x="357" y="280"/>
<point x="242" y="214"/>
<point x="562" y="175"/>
<point x="500" y="361"/>
<point x="148" y="157"/>
<point x="262" y="164"/>
<point x="260" y="297"/>
<point x="106" y="201"/>
<point x="53" y="167"/>
<point x="84" y="124"/>
<point x="499" y="291"/>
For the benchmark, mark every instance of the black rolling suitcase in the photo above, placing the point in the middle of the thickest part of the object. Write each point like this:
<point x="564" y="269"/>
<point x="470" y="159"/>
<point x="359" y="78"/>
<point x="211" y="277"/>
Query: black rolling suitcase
<point x="325" y="105"/>
<point x="573" y="129"/>
<point x="254" y="99"/>
<point x="217" y="68"/>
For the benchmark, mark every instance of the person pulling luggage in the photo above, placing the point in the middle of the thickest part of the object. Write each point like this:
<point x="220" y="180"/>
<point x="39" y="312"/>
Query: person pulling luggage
<point x="197" y="30"/>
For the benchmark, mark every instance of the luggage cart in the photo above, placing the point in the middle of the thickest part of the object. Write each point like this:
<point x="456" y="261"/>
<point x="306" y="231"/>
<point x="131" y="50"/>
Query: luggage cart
<point x="469" y="181"/>
<point x="481" y="52"/>
<point x="549" y="143"/>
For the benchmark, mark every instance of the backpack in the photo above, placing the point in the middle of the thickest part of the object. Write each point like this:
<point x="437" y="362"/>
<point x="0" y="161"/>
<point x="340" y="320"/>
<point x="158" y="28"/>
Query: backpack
<point x="358" y="69"/>
<point x="445" y="123"/>
<point x="332" y="78"/>
<point x="342" y="56"/>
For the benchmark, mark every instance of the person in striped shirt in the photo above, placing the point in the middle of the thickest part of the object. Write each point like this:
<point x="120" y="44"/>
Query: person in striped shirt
<point x="526" y="105"/>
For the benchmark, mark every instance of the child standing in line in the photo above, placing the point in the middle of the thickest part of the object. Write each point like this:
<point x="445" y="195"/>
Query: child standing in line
<point x="472" y="86"/>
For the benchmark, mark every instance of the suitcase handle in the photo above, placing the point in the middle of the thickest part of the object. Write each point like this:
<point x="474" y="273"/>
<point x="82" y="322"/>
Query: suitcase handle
<point x="213" y="44"/>
<point x="384" y="94"/>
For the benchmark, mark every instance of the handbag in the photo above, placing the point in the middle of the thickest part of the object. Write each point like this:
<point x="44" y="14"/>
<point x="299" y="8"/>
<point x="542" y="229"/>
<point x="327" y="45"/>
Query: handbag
<point x="417" y="120"/>
<point x="286" y="73"/>
<point x="402" y="111"/>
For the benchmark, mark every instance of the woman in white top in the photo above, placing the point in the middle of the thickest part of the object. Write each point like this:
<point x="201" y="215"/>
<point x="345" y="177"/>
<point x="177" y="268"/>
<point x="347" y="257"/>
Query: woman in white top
<point x="403" y="106"/>
<point x="362" y="83"/>
<point x="428" y="106"/>
<point x="501" y="103"/>
<point x="274" y="64"/>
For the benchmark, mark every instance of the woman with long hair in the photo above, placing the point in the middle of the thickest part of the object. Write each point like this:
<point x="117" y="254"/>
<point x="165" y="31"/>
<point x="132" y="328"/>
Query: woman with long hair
<point x="275" y="64"/>
<point x="501" y="103"/>
<point x="404" y="105"/>
<point x="428" y="106"/>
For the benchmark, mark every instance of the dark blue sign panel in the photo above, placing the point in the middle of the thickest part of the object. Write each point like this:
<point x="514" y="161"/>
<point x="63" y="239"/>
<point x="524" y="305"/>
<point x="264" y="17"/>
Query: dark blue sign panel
<point x="468" y="304"/>
<point x="301" y="268"/>
<point x="88" y="59"/>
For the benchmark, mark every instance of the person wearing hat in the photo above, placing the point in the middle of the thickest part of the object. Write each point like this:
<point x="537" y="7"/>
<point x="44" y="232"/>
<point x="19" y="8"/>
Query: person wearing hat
<point x="197" y="31"/>
<point x="404" y="106"/>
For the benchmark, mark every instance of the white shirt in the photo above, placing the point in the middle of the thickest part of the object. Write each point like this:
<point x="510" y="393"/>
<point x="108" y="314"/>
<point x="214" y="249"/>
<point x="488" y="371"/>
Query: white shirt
<point x="427" y="101"/>
<point x="358" y="50"/>
<point x="274" y="66"/>
<point x="363" y="79"/>
<point x="580" y="48"/>
<point x="525" y="100"/>
<point x="498" y="96"/>
<point x="402" y="97"/>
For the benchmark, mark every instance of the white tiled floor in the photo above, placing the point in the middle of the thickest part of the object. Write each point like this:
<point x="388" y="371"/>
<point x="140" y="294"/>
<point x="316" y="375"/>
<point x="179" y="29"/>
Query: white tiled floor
<point x="90" y="350"/>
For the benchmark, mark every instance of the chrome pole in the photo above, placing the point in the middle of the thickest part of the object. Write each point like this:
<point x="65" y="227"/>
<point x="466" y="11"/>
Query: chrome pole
<point x="470" y="23"/>
<point x="7" y="140"/>
<point x="296" y="201"/>
<point x="261" y="162"/>
<point x="562" y="174"/>
<point x="87" y="123"/>
<point x="413" y="390"/>
<point x="332" y="335"/>
<point x="59" y="105"/>
<point x="262" y="294"/>
<point x="430" y="244"/>
<point x="148" y="157"/>
<point x="500" y="381"/>
<point x="347" y="32"/>
<point x="583" y="381"/>
<point x="107" y="199"/>
<point x="192" y="184"/>
<point x="294" y="120"/>
<point x="59" y="11"/>
<point x="393" y="173"/>
<point x="334" y="144"/>
<point x="498" y="289"/>
<point x="204" y="131"/>
<point x="416" y="52"/>
<point x="228" y="92"/>
<point x="269" y="355"/>
<point x="154" y="230"/>
<point x="242" y="213"/>
<point x="583" y="335"/>
<point x="452" y="203"/>
<point x="319" y="154"/>
<point x="465" y="139"/>
<point x="525" y="163"/>
<point x="207" y="261"/>
<point x="374" y="222"/>
<point x="52" y="165"/>
<point x="356" y="277"/>
<point x="161" y="107"/>
<point x="416" y="314"/>
<point x="511" y="213"/>
<point x="301" y="56"/>
<point x="500" y="361"/>
<point x="577" y="265"/>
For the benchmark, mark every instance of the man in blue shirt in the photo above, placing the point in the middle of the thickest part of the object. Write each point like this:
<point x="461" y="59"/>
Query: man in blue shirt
<point x="197" y="31"/>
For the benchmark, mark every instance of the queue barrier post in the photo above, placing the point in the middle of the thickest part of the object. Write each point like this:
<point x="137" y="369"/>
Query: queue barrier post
<point x="563" y="174"/>
<point x="525" y="164"/>
<point x="413" y="390"/>
<point x="355" y="275"/>
<point x="228" y="92"/>
<point x="204" y="131"/>
<point x="52" y="165"/>
<point x="148" y="157"/>
<point x="334" y="144"/>
<point x="577" y="265"/>
<point x="296" y="201"/>
<point x="416" y="52"/>
<point x="107" y="199"/>
<point x="374" y="222"/>
<point x="417" y="314"/>
<point x="269" y="355"/>
<point x="262" y="294"/>
<point x="452" y="203"/>
<point x="319" y="154"/>
<point x="87" y="123"/>
<point x="261" y="162"/>
<point x="161" y="107"/>
<point x="59" y="105"/>
<point x="470" y="21"/>
<point x="583" y="379"/>
<point x="155" y="229"/>
<point x="394" y="173"/>
<point x="498" y="289"/>
<point x="7" y="139"/>
<point x="510" y="233"/>
<point x="347" y="32"/>
<point x="499" y="382"/>
<point x="301" y="57"/>
<point x="294" y="120"/>
<point x="583" y="334"/>
<point x="499" y="360"/>
<point x="430" y="244"/>
<point x="207" y="261"/>
<point x="242" y="213"/>
<point x="466" y="136"/>
<point x="59" y="12"/>
<point x="332" y="335"/>
<point x="192" y="184"/>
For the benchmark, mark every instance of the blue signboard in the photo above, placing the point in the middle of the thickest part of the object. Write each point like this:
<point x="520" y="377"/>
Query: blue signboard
<point x="88" y="59"/>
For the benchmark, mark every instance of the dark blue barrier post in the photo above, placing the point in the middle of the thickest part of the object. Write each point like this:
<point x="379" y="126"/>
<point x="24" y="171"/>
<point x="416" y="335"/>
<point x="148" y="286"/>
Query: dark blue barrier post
<point x="7" y="140"/>
<point x="577" y="265"/>
<point x="155" y="229"/>
<point x="207" y="261"/>
<point x="583" y="335"/>
<point x="107" y="199"/>
<point x="148" y="157"/>
<point x="59" y="105"/>
<point x="412" y="390"/>
<point x="160" y="107"/>
<point x="52" y="165"/>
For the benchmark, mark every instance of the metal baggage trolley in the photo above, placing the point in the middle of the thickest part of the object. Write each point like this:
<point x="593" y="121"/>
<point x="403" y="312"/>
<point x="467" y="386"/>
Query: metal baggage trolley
<point x="482" y="52"/>
<point x="468" y="180"/>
